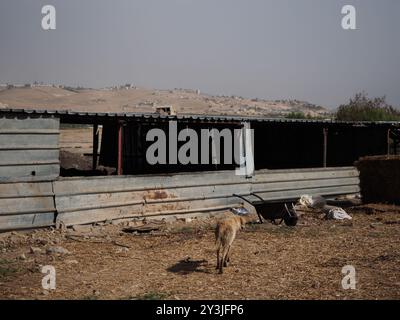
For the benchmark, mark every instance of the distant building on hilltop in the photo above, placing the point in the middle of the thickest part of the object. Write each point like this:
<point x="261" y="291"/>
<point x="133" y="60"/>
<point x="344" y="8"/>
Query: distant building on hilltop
<point x="166" y="110"/>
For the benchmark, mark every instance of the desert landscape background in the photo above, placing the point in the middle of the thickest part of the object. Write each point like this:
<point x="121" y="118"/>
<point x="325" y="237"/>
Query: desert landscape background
<point x="128" y="98"/>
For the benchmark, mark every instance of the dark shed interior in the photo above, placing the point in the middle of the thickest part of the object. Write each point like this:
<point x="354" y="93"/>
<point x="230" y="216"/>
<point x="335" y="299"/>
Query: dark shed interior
<point x="285" y="145"/>
<point x="278" y="143"/>
<point x="134" y="146"/>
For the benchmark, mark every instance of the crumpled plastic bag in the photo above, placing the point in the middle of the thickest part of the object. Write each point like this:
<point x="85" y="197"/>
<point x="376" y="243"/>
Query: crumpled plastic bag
<point x="337" y="213"/>
<point x="318" y="202"/>
<point x="312" y="201"/>
<point x="240" y="211"/>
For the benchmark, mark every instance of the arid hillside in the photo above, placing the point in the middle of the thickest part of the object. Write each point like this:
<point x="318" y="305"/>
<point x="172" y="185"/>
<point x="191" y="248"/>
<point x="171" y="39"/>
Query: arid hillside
<point x="132" y="99"/>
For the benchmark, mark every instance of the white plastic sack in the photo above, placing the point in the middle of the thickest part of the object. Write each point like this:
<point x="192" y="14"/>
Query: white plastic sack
<point x="337" y="213"/>
<point x="312" y="201"/>
<point x="241" y="211"/>
<point x="306" y="200"/>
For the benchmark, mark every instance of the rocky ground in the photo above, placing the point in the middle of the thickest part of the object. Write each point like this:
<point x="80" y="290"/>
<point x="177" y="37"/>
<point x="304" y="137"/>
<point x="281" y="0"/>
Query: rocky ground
<point x="177" y="260"/>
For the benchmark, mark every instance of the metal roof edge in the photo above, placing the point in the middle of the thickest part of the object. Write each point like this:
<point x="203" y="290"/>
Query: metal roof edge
<point x="202" y="117"/>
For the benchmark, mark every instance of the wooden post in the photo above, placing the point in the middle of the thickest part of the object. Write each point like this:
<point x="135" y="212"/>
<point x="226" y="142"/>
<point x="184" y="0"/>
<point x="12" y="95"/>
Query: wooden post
<point x="95" y="146"/>
<point x="388" y="142"/>
<point x="325" y="132"/>
<point x="119" y="165"/>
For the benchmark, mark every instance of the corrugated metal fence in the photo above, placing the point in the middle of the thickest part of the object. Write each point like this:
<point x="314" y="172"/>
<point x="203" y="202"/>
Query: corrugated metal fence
<point x="80" y="201"/>
<point x="93" y="199"/>
<point x="96" y="199"/>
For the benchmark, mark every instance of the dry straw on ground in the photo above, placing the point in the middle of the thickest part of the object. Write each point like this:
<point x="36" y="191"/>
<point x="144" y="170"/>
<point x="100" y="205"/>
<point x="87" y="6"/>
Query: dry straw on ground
<point x="178" y="262"/>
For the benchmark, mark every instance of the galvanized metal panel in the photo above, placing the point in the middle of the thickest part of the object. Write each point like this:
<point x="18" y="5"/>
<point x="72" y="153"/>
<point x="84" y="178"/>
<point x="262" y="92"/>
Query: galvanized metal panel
<point x="28" y="122"/>
<point x="145" y="182"/>
<point x="26" y="221"/>
<point x="141" y="200"/>
<point x="325" y="191"/>
<point x="28" y="156"/>
<point x="29" y="173"/>
<point x="97" y="199"/>
<point x="29" y="149"/>
<point x="26" y="205"/>
<point x="281" y="184"/>
<point x="23" y="190"/>
<point x="87" y="200"/>
<point x="144" y="195"/>
<point x="103" y="214"/>
<point x="99" y="214"/>
<point x="118" y="197"/>
<point x="190" y="205"/>
<point x="27" y="139"/>
<point x="125" y="204"/>
<point x="304" y="174"/>
<point x="304" y="184"/>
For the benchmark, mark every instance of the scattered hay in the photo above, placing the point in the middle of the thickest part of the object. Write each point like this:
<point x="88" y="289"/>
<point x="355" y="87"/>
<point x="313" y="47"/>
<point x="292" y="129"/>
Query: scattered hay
<point x="6" y="269"/>
<point x="267" y="262"/>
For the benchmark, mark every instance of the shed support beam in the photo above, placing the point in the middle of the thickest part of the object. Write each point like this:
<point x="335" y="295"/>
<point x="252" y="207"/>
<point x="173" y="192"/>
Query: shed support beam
<point x="325" y="151"/>
<point x="95" y="145"/>
<point x="119" y="163"/>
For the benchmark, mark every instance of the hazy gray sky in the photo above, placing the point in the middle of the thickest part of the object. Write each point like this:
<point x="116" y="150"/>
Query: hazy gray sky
<point x="255" y="48"/>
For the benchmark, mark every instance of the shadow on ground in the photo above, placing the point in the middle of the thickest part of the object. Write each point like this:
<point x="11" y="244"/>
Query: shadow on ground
<point x="187" y="266"/>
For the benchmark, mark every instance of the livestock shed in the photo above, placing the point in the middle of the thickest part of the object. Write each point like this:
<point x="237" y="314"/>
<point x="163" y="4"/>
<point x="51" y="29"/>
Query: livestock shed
<point x="290" y="158"/>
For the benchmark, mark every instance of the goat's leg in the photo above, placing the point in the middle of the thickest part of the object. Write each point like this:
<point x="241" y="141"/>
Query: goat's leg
<point x="223" y="258"/>
<point x="221" y="265"/>
<point x="227" y="258"/>
<point x="221" y="261"/>
<point x="228" y="251"/>
<point x="218" y="260"/>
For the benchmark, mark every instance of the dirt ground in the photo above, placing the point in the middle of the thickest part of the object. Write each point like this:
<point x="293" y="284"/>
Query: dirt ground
<point x="178" y="261"/>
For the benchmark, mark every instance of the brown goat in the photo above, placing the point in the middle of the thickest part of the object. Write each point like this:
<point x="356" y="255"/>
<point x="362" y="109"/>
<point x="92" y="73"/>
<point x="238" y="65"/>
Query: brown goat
<point x="225" y="233"/>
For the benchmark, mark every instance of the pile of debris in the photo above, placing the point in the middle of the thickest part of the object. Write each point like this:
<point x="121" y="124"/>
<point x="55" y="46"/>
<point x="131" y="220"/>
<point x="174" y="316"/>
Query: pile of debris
<point x="320" y="203"/>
